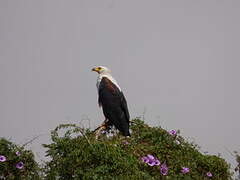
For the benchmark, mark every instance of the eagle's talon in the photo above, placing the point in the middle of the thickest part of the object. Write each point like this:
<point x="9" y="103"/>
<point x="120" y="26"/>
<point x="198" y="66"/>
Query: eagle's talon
<point x="99" y="129"/>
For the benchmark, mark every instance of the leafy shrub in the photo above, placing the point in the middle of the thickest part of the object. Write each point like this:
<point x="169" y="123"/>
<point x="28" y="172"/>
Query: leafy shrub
<point x="151" y="153"/>
<point x="16" y="162"/>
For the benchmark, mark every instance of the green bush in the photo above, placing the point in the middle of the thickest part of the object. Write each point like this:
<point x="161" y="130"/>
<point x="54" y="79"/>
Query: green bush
<point x="16" y="162"/>
<point x="150" y="153"/>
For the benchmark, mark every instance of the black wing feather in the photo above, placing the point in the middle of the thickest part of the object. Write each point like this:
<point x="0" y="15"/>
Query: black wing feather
<point x="124" y="106"/>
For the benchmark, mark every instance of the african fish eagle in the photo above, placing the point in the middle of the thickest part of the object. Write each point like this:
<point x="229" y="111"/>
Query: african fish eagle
<point x="112" y="101"/>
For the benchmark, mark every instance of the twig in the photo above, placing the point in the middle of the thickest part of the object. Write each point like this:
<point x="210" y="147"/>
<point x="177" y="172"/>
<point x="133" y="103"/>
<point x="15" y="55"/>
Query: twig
<point x="30" y="141"/>
<point x="79" y="128"/>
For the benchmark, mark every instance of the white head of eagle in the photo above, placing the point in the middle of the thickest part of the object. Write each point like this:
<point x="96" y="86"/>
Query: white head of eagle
<point x="112" y="100"/>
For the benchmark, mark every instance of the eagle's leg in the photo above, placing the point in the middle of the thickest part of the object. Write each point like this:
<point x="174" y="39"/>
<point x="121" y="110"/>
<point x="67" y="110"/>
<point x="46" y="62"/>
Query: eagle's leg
<point x="99" y="129"/>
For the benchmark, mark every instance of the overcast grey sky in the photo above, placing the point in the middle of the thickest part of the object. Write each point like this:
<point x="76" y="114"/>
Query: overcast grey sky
<point x="178" y="60"/>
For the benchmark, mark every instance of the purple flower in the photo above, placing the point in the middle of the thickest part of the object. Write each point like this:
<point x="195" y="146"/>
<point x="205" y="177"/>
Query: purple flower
<point x="126" y="142"/>
<point x="150" y="157"/>
<point x="209" y="174"/>
<point x="151" y="163"/>
<point x="145" y="159"/>
<point x="18" y="153"/>
<point x="157" y="162"/>
<point x="185" y="170"/>
<point x="2" y="158"/>
<point x="20" y="165"/>
<point x="164" y="169"/>
<point x="150" y="160"/>
<point x="172" y="132"/>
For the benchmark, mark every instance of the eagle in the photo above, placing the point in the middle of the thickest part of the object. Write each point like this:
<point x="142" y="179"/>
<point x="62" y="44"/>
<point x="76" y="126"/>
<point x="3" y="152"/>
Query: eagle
<point x="112" y="101"/>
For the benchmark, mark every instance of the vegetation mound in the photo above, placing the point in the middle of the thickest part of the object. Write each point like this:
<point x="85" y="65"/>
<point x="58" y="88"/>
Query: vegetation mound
<point x="150" y="153"/>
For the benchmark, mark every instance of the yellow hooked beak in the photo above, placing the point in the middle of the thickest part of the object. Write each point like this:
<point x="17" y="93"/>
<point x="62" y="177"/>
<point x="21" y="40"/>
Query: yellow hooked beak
<point x="96" y="69"/>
